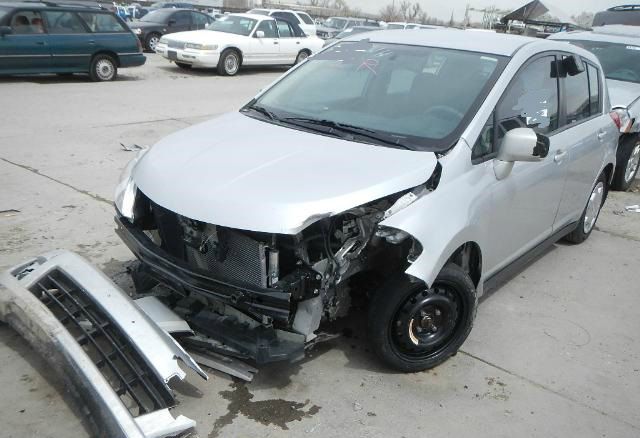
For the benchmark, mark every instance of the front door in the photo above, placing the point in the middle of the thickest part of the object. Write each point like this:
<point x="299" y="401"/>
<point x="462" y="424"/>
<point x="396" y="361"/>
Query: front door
<point x="525" y="203"/>
<point x="26" y="49"/>
<point x="71" y="45"/>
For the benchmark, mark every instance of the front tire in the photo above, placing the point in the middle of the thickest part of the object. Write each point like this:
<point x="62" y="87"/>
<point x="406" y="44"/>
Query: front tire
<point x="103" y="68"/>
<point x="414" y="328"/>
<point x="628" y="163"/>
<point x="229" y="63"/>
<point x="591" y="212"/>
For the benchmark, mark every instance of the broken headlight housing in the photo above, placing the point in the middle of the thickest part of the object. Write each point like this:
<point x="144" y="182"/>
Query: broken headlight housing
<point x="126" y="189"/>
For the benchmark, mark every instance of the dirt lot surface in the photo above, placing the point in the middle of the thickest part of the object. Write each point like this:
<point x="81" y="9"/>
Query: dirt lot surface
<point x="554" y="353"/>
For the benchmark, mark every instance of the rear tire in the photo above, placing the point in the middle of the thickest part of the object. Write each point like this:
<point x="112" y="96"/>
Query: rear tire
<point x="302" y="56"/>
<point x="152" y="41"/>
<point x="591" y="212"/>
<point x="103" y="68"/>
<point x="628" y="163"/>
<point x="413" y="328"/>
<point x="229" y="63"/>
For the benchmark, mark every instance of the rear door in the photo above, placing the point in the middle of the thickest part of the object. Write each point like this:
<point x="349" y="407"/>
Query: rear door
<point x="199" y="21"/>
<point x="290" y="43"/>
<point x="179" y="21"/>
<point x="26" y="49"/>
<point x="588" y="131"/>
<point x="70" y="42"/>
<point x="265" y="50"/>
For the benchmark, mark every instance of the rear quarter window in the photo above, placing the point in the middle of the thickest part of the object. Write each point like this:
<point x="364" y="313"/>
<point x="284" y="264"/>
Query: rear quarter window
<point x="102" y="22"/>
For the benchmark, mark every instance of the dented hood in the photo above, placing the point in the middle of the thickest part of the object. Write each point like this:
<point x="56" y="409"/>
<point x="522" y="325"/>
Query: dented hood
<point x="244" y="173"/>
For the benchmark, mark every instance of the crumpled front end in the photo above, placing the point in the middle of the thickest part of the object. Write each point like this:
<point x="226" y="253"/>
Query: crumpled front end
<point x="116" y="361"/>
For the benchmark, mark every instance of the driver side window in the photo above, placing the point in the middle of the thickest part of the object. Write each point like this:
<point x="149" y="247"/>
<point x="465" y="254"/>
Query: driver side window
<point x="269" y="29"/>
<point x="531" y="101"/>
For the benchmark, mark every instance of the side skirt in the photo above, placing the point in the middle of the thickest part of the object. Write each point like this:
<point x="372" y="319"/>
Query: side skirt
<point x="500" y="278"/>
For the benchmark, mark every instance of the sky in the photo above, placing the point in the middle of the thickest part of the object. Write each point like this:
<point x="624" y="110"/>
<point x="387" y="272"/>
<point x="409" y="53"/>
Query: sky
<point x="442" y="8"/>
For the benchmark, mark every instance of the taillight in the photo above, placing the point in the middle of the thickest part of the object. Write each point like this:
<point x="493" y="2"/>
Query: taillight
<point x="616" y="119"/>
<point x="622" y="119"/>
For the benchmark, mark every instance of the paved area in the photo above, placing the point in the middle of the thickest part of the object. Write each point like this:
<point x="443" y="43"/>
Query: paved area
<point x="554" y="353"/>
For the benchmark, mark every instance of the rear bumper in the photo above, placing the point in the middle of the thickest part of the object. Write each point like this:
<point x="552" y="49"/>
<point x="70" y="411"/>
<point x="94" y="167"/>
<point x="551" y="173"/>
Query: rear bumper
<point x="132" y="60"/>
<point x="55" y="295"/>
<point x="177" y="275"/>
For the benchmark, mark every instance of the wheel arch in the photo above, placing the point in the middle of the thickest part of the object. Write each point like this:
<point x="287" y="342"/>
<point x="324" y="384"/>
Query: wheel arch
<point x="468" y="256"/>
<point x="111" y="53"/>
<point x="236" y="49"/>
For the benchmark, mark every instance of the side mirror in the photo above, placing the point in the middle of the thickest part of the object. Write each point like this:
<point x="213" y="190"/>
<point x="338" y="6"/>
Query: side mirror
<point x="5" y="30"/>
<point x="572" y="65"/>
<point x="171" y="22"/>
<point x="260" y="34"/>
<point x="520" y="144"/>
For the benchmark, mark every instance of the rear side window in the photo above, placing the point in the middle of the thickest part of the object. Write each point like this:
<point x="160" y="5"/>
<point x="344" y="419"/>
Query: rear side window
<point x="63" y="22"/>
<point x="594" y="90"/>
<point x="531" y="100"/>
<point x="577" y="97"/>
<point x="26" y="22"/>
<point x="199" y="20"/>
<point x="284" y="29"/>
<point x="101" y="22"/>
<point x="287" y="16"/>
<point x="307" y="19"/>
<point x="182" y="18"/>
<point x="269" y="28"/>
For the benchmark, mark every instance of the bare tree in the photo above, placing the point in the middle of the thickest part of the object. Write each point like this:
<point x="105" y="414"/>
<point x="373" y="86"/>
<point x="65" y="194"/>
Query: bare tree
<point x="584" y="19"/>
<point x="423" y="18"/>
<point x="389" y="13"/>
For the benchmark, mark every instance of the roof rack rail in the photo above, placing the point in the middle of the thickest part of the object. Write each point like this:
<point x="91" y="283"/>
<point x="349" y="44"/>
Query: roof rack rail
<point x="623" y="8"/>
<point x="69" y="3"/>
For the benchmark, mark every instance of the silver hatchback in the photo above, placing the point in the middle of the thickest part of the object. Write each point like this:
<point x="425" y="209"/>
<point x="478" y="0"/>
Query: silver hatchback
<point x="412" y="170"/>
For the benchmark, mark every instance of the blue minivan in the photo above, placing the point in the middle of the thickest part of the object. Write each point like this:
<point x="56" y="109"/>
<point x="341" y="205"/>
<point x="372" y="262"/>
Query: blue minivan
<point x="47" y="38"/>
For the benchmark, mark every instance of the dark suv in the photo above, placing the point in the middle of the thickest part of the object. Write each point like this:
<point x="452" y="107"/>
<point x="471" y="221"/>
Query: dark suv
<point x="46" y="38"/>
<point x="150" y="28"/>
<point x="626" y="14"/>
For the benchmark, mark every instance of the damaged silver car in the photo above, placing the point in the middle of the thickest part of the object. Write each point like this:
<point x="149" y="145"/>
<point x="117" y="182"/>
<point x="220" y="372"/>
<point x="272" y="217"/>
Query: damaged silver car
<point x="411" y="171"/>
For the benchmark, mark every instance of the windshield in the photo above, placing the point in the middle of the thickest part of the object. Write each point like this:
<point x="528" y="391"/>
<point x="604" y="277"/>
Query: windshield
<point x="159" y="16"/>
<point x="234" y="24"/>
<point x="352" y="31"/>
<point x="416" y="97"/>
<point x="621" y="62"/>
<point x="395" y="26"/>
<point x="3" y="12"/>
<point x="259" y="11"/>
<point x="336" y="23"/>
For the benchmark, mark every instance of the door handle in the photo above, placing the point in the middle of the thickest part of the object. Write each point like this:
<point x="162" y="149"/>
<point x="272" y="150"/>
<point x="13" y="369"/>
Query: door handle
<point x="275" y="42"/>
<point x="297" y="42"/>
<point x="92" y="41"/>
<point x="40" y="43"/>
<point x="559" y="156"/>
<point x="602" y="135"/>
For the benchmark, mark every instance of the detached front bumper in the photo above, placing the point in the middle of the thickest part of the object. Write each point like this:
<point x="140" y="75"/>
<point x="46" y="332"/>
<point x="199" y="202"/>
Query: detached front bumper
<point x="115" y="360"/>
<point x="195" y="58"/>
<point x="259" y="302"/>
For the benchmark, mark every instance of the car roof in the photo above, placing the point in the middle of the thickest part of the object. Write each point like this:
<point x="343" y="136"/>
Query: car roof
<point x="493" y="43"/>
<point x="253" y="16"/>
<point x="79" y="7"/>
<point x="614" y="33"/>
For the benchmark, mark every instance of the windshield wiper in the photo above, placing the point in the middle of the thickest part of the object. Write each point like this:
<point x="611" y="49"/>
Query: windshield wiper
<point x="347" y="129"/>
<point x="262" y="110"/>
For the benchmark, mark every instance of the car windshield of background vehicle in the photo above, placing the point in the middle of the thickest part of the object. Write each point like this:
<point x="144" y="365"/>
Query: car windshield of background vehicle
<point x="159" y="16"/>
<point x="3" y="12"/>
<point x="395" y="26"/>
<point x="620" y="62"/>
<point x="335" y="23"/>
<point x="418" y="97"/>
<point x="234" y="24"/>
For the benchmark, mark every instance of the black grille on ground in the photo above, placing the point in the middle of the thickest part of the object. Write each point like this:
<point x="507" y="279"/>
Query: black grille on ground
<point x="103" y="341"/>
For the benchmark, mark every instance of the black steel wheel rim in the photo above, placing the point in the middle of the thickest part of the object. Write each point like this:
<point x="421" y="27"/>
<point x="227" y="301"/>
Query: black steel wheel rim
<point x="427" y="322"/>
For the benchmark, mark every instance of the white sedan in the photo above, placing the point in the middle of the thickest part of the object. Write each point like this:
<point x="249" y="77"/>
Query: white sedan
<point x="239" y="39"/>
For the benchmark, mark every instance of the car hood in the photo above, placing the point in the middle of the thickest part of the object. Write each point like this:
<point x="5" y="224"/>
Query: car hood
<point x="623" y="93"/>
<point x="244" y="173"/>
<point x="204" y="37"/>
